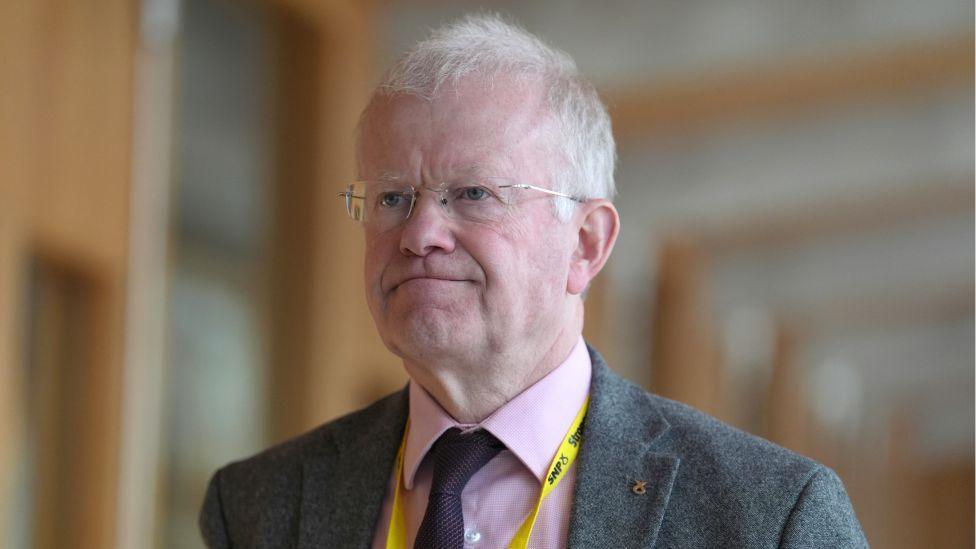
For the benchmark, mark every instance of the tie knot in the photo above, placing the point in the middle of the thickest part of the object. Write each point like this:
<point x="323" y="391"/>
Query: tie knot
<point x="458" y="456"/>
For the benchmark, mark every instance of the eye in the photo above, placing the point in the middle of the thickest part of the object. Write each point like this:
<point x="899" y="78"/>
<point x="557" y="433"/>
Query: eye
<point x="474" y="193"/>
<point x="391" y="199"/>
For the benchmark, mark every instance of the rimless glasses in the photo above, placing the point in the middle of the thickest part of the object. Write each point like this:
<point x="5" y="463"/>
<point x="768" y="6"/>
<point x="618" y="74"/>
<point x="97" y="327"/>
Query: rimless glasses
<point x="386" y="204"/>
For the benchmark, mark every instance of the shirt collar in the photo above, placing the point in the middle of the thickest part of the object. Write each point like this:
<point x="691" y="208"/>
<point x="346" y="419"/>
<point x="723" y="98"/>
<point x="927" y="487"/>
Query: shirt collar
<point x="531" y="425"/>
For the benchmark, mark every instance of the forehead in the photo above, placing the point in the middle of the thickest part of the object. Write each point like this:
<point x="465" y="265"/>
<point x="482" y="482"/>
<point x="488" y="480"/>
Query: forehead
<point x="502" y="124"/>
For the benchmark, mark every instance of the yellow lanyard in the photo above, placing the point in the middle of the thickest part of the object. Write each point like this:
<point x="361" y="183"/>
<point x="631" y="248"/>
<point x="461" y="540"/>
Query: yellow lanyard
<point x="396" y="538"/>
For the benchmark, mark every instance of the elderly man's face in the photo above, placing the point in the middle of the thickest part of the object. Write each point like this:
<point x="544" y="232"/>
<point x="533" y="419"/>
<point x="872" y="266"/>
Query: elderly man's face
<point x="442" y="287"/>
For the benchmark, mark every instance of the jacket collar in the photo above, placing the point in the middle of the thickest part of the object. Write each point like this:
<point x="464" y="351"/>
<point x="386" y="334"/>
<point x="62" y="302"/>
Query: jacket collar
<point x="622" y="429"/>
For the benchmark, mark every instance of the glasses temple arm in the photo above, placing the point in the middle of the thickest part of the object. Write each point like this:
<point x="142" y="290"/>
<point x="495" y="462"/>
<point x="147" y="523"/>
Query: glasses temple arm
<point x="543" y="189"/>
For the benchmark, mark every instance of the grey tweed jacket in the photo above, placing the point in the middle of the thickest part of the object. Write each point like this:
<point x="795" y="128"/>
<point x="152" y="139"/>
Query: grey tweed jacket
<point x="708" y="485"/>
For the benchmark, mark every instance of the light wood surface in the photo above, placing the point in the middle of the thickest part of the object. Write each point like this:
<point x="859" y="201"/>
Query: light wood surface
<point x="756" y="93"/>
<point x="326" y="356"/>
<point x="65" y="101"/>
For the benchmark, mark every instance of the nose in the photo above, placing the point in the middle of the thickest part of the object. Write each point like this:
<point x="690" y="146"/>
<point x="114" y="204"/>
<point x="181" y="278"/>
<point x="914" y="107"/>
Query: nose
<point x="429" y="228"/>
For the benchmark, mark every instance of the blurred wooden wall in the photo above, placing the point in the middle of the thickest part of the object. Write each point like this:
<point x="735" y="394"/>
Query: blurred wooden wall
<point x="902" y="500"/>
<point x="65" y="124"/>
<point x="326" y="357"/>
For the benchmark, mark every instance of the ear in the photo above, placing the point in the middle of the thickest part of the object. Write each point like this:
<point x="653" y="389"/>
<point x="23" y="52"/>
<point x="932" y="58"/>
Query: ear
<point x="598" y="224"/>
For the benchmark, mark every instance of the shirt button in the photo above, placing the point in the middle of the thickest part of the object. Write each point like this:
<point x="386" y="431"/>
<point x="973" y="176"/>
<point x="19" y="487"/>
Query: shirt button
<point x="472" y="536"/>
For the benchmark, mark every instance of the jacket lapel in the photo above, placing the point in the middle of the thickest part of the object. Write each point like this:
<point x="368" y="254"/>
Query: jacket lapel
<point x="621" y="428"/>
<point x="343" y="486"/>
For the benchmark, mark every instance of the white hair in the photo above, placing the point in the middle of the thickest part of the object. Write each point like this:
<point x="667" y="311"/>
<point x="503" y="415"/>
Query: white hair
<point x="487" y="45"/>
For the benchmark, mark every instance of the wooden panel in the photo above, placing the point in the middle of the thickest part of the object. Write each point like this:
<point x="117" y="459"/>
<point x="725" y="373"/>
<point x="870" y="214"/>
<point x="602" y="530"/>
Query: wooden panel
<point x="297" y="95"/>
<point x="787" y="413"/>
<point x="598" y="325"/>
<point x="929" y="503"/>
<point x="686" y="364"/>
<point x="327" y="357"/>
<point x="18" y="104"/>
<point x="949" y="510"/>
<point x="60" y="363"/>
<point x="11" y="380"/>
<point x="65" y="146"/>
<point x="789" y="88"/>
<point x="837" y="216"/>
<point x="81" y="191"/>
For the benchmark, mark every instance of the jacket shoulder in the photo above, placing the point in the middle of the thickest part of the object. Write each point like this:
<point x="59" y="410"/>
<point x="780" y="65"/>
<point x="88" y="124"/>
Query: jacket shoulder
<point x="318" y="442"/>
<point x="750" y="491"/>
<point x="261" y="494"/>
<point x="696" y="438"/>
<point x="730" y="488"/>
<point x="705" y="445"/>
<point x="699" y="437"/>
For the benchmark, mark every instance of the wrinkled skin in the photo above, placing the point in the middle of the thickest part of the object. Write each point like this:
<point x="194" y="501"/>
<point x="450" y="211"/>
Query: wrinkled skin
<point x="477" y="311"/>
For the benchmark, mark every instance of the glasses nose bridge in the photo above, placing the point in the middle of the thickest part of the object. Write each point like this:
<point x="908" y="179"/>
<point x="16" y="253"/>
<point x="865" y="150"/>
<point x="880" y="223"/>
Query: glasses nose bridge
<point x="440" y="196"/>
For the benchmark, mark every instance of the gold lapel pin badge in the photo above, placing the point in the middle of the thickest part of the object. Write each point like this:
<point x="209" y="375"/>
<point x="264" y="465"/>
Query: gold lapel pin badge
<point x="639" y="487"/>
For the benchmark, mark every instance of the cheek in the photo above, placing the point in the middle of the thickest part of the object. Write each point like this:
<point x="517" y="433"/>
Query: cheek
<point x="549" y="271"/>
<point x="547" y="243"/>
<point x="535" y="266"/>
<point x="377" y="256"/>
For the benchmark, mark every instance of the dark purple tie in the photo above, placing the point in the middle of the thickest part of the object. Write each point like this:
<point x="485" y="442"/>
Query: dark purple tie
<point x="457" y="457"/>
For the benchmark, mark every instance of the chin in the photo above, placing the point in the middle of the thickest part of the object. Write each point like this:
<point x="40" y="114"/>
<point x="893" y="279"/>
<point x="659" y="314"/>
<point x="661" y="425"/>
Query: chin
<point x="429" y="334"/>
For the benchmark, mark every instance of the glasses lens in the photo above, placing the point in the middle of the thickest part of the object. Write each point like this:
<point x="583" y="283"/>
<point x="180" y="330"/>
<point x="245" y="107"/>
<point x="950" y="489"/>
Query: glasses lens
<point x="481" y="202"/>
<point x="356" y="201"/>
<point x="386" y="203"/>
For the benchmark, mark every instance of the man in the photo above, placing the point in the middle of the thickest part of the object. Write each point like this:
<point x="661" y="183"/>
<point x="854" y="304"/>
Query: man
<point x="487" y="172"/>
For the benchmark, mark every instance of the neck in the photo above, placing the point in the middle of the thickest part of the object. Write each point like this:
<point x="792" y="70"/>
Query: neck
<point x="470" y="395"/>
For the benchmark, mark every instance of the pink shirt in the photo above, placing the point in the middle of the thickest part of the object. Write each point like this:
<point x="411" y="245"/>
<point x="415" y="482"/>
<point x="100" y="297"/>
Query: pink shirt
<point x="501" y="495"/>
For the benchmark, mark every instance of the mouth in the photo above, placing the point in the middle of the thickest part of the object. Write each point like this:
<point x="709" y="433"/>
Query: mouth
<point x="425" y="280"/>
